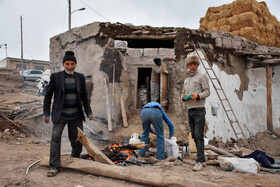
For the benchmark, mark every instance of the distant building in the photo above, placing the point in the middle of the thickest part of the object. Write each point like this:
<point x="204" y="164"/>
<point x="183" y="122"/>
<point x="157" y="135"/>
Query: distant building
<point x="15" y="63"/>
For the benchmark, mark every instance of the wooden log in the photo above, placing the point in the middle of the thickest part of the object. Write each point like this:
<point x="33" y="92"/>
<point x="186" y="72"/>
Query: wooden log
<point x="109" y="118"/>
<point x="92" y="149"/>
<point x="136" y="175"/>
<point x="124" y="117"/>
<point x="221" y="151"/>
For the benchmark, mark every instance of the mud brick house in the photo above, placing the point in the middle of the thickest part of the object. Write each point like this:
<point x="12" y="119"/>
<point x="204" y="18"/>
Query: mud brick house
<point x="123" y="56"/>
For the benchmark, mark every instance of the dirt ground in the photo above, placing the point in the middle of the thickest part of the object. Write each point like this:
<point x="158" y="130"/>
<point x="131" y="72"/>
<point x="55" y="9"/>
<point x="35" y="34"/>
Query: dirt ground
<point x="19" y="150"/>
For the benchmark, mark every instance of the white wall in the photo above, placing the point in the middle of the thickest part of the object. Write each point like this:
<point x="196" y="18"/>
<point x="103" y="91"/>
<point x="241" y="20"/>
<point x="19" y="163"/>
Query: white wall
<point x="251" y="110"/>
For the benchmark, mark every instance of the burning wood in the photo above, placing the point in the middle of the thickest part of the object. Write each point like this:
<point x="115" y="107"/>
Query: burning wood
<point x="118" y="152"/>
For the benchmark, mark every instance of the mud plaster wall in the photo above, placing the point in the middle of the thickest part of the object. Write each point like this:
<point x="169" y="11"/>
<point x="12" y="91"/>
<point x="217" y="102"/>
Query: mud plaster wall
<point x="250" y="110"/>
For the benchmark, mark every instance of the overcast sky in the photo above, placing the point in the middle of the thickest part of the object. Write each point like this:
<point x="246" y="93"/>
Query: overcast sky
<point x="43" y="19"/>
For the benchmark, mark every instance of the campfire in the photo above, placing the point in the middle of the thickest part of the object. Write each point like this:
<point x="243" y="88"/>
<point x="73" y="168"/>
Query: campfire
<point x="119" y="153"/>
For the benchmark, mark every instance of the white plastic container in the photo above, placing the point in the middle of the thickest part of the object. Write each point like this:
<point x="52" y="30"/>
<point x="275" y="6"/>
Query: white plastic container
<point x="171" y="147"/>
<point x="134" y="138"/>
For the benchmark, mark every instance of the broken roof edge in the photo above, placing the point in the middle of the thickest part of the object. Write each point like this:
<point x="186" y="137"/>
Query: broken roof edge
<point x="226" y="41"/>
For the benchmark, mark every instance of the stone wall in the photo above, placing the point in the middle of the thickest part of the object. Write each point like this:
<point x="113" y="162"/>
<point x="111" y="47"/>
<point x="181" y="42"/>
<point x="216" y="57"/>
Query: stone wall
<point x="247" y="18"/>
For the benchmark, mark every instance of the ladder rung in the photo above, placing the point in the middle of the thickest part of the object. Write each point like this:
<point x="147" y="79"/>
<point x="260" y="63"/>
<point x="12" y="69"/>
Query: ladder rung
<point x="229" y="110"/>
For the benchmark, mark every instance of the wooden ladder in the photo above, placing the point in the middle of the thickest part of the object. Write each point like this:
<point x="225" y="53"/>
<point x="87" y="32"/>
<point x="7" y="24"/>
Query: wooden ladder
<point x="221" y="94"/>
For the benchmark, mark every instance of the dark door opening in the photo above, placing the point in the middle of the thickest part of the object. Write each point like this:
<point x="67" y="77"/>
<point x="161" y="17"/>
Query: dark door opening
<point x="143" y="87"/>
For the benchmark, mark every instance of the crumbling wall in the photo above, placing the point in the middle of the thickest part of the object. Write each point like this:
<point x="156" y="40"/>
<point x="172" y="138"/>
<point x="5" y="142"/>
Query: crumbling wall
<point x="247" y="18"/>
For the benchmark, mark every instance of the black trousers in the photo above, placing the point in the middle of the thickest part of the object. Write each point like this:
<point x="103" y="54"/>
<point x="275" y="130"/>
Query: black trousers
<point x="197" y="123"/>
<point x="55" y="149"/>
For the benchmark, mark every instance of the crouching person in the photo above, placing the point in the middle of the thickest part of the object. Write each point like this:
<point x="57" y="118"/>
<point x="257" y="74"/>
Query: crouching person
<point x="153" y="113"/>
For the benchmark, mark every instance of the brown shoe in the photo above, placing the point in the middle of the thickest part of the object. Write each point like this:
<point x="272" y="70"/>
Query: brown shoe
<point x="53" y="172"/>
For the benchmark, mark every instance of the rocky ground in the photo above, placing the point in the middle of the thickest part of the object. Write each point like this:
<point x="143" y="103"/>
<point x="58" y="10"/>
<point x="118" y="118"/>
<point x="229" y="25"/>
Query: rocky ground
<point x="24" y="141"/>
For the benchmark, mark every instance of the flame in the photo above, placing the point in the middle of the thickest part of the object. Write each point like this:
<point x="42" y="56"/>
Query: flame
<point x="118" y="147"/>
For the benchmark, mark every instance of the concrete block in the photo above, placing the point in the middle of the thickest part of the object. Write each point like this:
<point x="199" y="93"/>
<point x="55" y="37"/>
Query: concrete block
<point x="152" y="52"/>
<point x="120" y="44"/>
<point x="134" y="52"/>
<point x="166" y="52"/>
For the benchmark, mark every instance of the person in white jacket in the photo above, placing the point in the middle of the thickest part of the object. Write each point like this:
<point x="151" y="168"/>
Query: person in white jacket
<point x="195" y="91"/>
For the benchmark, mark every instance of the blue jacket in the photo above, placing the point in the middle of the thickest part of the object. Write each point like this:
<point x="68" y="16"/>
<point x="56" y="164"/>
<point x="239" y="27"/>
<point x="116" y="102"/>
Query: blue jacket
<point x="164" y="116"/>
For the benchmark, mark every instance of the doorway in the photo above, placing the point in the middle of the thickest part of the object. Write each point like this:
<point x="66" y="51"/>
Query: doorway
<point x="143" y="87"/>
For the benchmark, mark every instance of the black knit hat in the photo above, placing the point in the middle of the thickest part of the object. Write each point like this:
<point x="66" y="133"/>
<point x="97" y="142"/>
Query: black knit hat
<point x="69" y="55"/>
<point x="157" y="61"/>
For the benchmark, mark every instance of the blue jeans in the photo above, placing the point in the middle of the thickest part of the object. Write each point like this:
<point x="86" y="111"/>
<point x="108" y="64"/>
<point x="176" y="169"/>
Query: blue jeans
<point x="152" y="116"/>
<point x="56" y="140"/>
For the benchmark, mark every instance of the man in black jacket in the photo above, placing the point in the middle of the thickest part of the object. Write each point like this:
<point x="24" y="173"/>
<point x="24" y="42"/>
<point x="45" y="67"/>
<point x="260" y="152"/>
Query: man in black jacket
<point x="69" y="91"/>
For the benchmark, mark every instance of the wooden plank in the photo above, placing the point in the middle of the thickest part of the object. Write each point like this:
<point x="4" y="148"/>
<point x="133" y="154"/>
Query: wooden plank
<point x="124" y="116"/>
<point x="109" y="118"/>
<point x="268" y="99"/>
<point x="136" y="175"/>
<point x="163" y="86"/>
<point x="92" y="149"/>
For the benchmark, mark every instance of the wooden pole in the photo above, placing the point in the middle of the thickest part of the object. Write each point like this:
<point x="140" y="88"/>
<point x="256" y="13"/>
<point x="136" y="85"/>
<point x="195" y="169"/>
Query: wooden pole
<point x="114" y="71"/>
<point x="163" y="86"/>
<point x="124" y="117"/>
<point x="268" y="99"/>
<point x="69" y="14"/>
<point x="21" y="44"/>
<point x="109" y="118"/>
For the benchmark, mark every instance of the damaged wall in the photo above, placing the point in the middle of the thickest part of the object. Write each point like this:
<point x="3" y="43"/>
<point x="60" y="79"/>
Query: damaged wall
<point x="103" y="50"/>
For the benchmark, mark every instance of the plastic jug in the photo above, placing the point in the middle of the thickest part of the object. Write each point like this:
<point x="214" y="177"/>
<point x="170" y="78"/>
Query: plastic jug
<point x="134" y="138"/>
<point x="171" y="147"/>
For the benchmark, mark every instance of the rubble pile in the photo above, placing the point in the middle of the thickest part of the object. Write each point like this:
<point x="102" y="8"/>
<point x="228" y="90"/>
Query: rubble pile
<point x="246" y="18"/>
<point x="11" y="81"/>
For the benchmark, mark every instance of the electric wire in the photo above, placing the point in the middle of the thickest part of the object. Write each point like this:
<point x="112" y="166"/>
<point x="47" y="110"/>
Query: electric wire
<point x="95" y="11"/>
